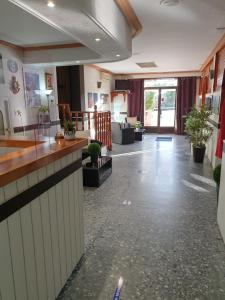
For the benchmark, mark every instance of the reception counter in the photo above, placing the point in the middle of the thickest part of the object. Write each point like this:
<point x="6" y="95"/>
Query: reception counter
<point x="41" y="216"/>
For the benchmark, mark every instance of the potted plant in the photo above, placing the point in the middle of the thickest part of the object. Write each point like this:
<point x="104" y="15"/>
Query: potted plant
<point x="138" y="125"/>
<point x="199" y="131"/>
<point x="94" y="150"/>
<point x="69" y="130"/>
<point x="216" y="177"/>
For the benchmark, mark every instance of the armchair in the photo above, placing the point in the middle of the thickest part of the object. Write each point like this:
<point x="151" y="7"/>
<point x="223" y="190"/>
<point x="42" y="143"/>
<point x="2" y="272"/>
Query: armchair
<point x="122" y="134"/>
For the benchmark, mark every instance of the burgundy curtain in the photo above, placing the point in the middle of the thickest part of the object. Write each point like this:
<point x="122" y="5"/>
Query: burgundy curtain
<point x="186" y="94"/>
<point x="221" y="135"/>
<point x="136" y="99"/>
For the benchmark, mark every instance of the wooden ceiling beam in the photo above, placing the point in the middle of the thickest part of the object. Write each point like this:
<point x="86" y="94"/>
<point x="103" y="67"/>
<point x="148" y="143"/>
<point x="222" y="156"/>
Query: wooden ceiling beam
<point x="131" y="17"/>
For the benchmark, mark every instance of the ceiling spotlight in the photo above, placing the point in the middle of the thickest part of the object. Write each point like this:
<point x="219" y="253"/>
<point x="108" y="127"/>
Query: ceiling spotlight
<point x="169" y="2"/>
<point x="77" y="61"/>
<point x="117" y="55"/>
<point x="50" y="4"/>
<point x="97" y="39"/>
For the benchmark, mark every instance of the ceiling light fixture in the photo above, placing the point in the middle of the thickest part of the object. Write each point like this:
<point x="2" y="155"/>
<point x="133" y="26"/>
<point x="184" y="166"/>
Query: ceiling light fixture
<point x="169" y="2"/>
<point x="97" y="39"/>
<point x="117" y="55"/>
<point x="50" y="4"/>
<point x="77" y="61"/>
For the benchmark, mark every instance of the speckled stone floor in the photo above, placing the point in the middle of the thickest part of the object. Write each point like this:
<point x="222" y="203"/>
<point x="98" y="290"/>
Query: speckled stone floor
<point x="153" y="222"/>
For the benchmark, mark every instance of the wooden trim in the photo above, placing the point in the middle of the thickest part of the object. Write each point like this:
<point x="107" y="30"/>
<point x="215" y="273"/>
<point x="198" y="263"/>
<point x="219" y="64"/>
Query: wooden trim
<point x="14" y="204"/>
<point x="53" y="47"/>
<point x="219" y="46"/>
<point x="100" y="69"/>
<point x="10" y="45"/>
<point x="130" y="15"/>
<point x="172" y="73"/>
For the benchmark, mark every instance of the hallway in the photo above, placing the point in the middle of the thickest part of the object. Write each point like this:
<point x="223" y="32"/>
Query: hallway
<point x="153" y="222"/>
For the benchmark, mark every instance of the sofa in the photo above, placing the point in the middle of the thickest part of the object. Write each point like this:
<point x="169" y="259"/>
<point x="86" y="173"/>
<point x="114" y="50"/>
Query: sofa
<point x="122" y="134"/>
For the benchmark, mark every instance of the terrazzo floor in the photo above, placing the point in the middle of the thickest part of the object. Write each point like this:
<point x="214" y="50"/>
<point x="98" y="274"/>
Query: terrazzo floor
<point x="153" y="222"/>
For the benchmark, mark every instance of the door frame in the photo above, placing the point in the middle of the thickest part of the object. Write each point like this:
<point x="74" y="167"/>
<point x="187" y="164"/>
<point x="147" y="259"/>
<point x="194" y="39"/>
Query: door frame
<point x="158" y="128"/>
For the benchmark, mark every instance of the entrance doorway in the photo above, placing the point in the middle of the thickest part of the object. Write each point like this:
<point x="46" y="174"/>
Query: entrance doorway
<point x="160" y="107"/>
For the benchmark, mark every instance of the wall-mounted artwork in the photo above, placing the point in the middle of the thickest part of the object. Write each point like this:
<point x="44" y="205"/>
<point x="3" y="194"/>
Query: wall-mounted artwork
<point x="90" y="100"/>
<point x="14" y="85"/>
<point x="216" y="105"/>
<point x="32" y="89"/>
<point x="12" y="66"/>
<point x="2" y="78"/>
<point x="104" y="98"/>
<point x="95" y="98"/>
<point x="48" y="81"/>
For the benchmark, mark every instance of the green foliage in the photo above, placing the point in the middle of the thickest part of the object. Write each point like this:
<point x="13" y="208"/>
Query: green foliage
<point x="149" y="100"/>
<point x="197" y="126"/>
<point x="216" y="174"/>
<point x="69" y="125"/>
<point x="138" y="124"/>
<point x="94" y="149"/>
<point x="169" y="99"/>
<point x="43" y="109"/>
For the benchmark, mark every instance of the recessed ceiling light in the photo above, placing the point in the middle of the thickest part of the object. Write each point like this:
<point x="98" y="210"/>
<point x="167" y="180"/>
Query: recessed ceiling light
<point x="50" y="4"/>
<point x="97" y="39"/>
<point x="117" y="55"/>
<point x="77" y="61"/>
<point x="169" y="2"/>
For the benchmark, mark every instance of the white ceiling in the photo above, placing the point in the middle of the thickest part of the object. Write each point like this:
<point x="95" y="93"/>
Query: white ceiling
<point x="19" y="27"/>
<point x="177" y="38"/>
<point x="33" y="23"/>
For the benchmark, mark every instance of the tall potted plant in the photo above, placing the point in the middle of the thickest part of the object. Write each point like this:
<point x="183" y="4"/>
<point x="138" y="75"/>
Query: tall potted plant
<point x="199" y="131"/>
<point x="69" y="130"/>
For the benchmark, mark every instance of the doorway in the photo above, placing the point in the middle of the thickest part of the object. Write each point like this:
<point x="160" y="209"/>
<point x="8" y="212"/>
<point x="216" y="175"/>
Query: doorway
<point x="159" y="108"/>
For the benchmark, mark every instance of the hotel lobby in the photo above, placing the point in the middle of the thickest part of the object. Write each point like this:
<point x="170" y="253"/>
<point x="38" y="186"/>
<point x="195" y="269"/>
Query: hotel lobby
<point x="112" y="149"/>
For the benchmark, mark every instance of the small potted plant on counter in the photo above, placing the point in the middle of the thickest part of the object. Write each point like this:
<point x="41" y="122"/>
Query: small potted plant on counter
<point x="138" y="125"/>
<point x="69" y="130"/>
<point x="94" y="150"/>
<point x="199" y="131"/>
<point x="216" y="177"/>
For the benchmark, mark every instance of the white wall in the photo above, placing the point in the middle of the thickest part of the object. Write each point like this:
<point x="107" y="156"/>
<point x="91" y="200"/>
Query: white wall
<point x="16" y="102"/>
<point x="91" y="77"/>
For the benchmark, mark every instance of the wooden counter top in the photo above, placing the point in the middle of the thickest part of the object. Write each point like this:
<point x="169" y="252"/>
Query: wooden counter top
<point x="33" y="155"/>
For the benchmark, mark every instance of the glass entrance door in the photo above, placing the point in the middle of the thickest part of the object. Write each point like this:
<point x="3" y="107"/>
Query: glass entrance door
<point x="160" y="106"/>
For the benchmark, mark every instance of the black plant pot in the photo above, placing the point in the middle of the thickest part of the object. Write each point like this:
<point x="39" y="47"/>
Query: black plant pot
<point x="94" y="159"/>
<point x="199" y="154"/>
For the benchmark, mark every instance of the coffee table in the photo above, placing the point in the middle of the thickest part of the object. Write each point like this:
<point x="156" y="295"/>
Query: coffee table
<point x="95" y="175"/>
<point x="138" y="134"/>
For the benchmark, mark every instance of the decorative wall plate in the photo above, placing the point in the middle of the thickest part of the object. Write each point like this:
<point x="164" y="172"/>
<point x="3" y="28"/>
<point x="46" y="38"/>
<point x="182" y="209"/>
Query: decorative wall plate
<point x="14" y="85"/>
<point x="12" y="66"/>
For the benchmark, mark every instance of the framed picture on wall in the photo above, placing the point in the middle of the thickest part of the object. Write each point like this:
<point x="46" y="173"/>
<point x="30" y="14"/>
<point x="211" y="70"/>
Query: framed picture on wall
<point x="104" y="98"/>
<point x="95" y="98"/>
<point x="32" y="89"/>
<point x="2" y="78"/>
<point x="90" y="100"/>
<point x="48" y="81"/>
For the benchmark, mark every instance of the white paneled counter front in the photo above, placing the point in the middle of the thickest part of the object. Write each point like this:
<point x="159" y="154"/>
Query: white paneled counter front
<point x="41" y="226"/>
<point x="221" y="204"/>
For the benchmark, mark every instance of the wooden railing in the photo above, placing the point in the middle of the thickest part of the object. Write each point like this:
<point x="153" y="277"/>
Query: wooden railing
<point x="98" y="121"/>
